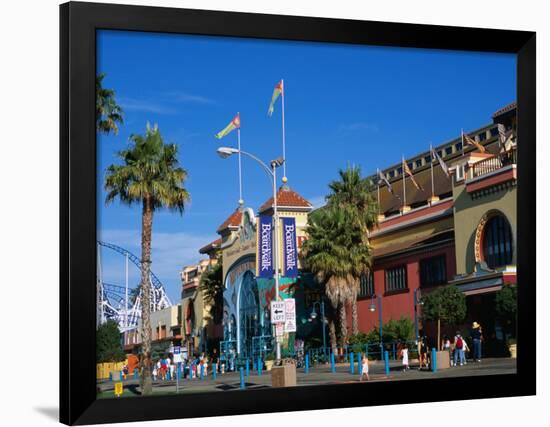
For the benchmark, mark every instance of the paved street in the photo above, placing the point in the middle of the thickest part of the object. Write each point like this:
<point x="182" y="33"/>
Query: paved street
<point x="319" y="374"/>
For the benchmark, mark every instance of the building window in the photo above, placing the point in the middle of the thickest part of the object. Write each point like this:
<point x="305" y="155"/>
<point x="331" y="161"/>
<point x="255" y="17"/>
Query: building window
<point x="459" y="172"/>
<point x="440" y="153"/>
<point x="391" y="174"/>
<point x="448" y="151"/>
<point x="482" y="136"/>
<point x="418" y="163"/>
<point x="399" y="170"/>
<point x="427" y="159"/>
<point x="366" y="285"/>
<point x="396" y="279"/>
<point x="458" y="146"/>
<point x="494" y="131"/>
<point x="433" y="271"/>
<point x="497" y="242"/>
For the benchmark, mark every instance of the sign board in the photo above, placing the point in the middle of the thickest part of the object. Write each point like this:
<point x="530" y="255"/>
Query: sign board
<point x="265" y="245"/>
<point x="290" y="253"/>
<point x="277" y="312"/>
<point x="290" y="315"/>
<point x="118" y="389"/>
<point x="177" y="354"/>
<point x="279" y="329"/>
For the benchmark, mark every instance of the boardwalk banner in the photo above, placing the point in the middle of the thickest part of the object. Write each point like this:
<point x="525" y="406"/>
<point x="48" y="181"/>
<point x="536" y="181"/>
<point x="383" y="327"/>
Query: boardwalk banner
<point x="290" y="254"/>
<point x="265" y="247"/>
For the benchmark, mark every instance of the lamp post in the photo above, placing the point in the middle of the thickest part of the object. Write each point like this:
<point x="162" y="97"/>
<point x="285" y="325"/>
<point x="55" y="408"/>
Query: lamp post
<point x="417" y="301"/>
<point x="225" y="152"/>
<point x="313" y="315"/>
<point x="372" y="308"/>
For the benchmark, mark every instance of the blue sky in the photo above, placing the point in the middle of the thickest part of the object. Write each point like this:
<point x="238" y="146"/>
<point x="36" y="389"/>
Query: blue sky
<point x="344" y="104"/>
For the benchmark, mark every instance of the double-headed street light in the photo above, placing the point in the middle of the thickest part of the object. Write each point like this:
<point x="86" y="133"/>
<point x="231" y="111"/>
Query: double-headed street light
<point x="224" y="153"/>
<point x="313" y="315"/>
<point x="372" y="308"/>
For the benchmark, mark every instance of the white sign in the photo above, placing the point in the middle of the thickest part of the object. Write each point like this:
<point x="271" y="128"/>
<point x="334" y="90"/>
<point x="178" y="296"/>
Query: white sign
<point x="177" y="355"/>
<point x="290" y="315"/>
<point x="279" y="329"/>
<point x="278" y="312"/>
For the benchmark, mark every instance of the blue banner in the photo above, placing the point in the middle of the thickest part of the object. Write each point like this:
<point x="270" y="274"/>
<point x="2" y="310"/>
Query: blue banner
<point x="290" y="254"/>
<point x="265" y="247"/>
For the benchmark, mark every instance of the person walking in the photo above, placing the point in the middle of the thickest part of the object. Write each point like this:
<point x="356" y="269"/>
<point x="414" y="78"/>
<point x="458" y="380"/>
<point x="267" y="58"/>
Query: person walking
<point x="423" y="352"/>
<point x="459" y="349"/>
<point x="364" y="368"/>
<point x="477" y="338"/>
<point x="405" y="357"/>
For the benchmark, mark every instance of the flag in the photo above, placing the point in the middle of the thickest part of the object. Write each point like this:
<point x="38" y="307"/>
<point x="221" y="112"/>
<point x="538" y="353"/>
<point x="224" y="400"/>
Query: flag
<point x="276" y="92"/>
<point x="384" y="180"/>
<point x="473" y="142"/>
<point x="234" y="124"/>
<point x="444" y="167"/>
<point x="408" y="171"/>
<point x="501" y="133"/>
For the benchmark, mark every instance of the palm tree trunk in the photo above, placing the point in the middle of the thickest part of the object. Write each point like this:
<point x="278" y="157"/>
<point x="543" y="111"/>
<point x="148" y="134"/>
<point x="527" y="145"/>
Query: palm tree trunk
<point x="147" y="225"/>
<point x="332" y="334"/>
<point x="343" y="323"/>
<point x="354" y="316"/>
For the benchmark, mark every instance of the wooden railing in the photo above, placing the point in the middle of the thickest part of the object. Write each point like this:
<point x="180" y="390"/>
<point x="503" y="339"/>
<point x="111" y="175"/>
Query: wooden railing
<point x="494" y="163"/>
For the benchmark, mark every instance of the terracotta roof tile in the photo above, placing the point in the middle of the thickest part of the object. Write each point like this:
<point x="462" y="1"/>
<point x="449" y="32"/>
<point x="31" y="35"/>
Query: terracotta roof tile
<point x="234" y="220"/>
<point x="286" y="197"/>
<point x="210" y="245"/>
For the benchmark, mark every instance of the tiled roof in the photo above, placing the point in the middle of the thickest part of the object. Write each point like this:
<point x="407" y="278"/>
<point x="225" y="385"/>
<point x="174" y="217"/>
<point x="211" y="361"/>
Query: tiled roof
<point x="210" y="245"/>
<point x="234" y="220"/>
<point x="288" y="198"/>
<point x="505" y="109"/>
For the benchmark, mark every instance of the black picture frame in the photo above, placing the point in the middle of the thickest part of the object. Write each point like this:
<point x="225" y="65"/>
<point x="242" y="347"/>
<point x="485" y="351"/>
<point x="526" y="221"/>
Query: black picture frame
<point x="78" y="185"/>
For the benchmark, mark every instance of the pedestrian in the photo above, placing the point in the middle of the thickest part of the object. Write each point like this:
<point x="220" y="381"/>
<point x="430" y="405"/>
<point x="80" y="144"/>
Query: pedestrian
<point x="459" y="349"/>
<point x="423" y="351"/>
<point x="477" y="338"/>
<point x="446" y="346"/>
<point x="364" y="368"/>
<point x="405" y="357"/>
<point x="155" y="372"/>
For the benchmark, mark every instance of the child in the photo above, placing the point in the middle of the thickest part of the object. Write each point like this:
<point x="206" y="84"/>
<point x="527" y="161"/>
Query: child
<point x="364" y="368"/>
<point x="155" y="372"/>
<point x="405" y="357"/>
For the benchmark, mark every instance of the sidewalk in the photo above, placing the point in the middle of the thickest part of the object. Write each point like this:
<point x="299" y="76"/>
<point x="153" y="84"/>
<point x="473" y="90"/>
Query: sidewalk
<point x="320" y="374"/>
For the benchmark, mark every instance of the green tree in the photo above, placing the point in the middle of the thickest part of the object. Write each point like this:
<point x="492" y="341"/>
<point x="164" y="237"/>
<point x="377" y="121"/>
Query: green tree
<point x="149" y="175"/>
<point x="211" y="285"/>
<point x="354" y="193"/>
<point x="445" y="304"/>
<point x="108" y="343"/>
<point x="398" y="330"/>
<point x="506" y="302"/>
<point x="331" y="254"/>
<point x="107" y="112"/>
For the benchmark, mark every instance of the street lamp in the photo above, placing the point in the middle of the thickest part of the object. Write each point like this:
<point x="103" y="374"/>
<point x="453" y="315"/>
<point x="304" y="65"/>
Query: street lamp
<point x="372" y="308"/>
<point x="313" y="315"/>
<point x="224" y="153"/>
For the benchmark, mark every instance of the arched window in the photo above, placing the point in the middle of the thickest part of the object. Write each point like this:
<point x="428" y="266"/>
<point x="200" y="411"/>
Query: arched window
<point x="497" y="242"/>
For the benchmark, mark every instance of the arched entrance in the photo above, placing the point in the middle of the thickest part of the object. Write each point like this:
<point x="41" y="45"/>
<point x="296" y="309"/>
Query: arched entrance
<point x="249" y="314"/>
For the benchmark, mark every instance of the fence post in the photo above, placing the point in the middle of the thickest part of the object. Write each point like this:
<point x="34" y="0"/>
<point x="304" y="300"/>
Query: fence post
<point x="332" y="366"/>
<point x="241" y="372"/>
<point x="136" y="373"/>
<point x="306" y="369"/>
<point x="247" y="368"/>
<point x="202" y="371"/>
<point x="434" y="360"/>
<point x="214" y="370"/>
<point x="359" y="364"/>
<point x="120" y="375"/>
<point x="351" y="363"/>
<point x="387" y="363"/>
<point x="259" y="365"/>
<point x="393" y="349"/>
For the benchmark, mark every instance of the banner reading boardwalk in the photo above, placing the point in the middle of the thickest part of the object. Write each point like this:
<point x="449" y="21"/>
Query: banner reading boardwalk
<point x="265" y="247"/>
<point x="290" y="254"/>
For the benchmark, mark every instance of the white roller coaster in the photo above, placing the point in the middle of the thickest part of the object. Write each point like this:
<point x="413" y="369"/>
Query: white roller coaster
<point x="114" y="302"/>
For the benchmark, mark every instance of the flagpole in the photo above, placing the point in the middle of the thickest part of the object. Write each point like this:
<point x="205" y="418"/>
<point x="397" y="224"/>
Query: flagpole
<point x="241" y="201"/>
<point x="378" y="187"/>
<point x="404" y="192"/>
<point x="283" y="125"/>
<point x="432" y="169"/>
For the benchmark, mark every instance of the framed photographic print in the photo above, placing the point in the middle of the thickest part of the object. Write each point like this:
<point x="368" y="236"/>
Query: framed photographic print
<point x="289" y="213"/>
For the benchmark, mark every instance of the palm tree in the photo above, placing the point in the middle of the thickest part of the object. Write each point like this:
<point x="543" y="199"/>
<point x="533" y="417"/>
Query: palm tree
<point x="329" y="253"/>
<point x="150" y="175"/>
<point x="354" y="193"/>
<point x="212" y="287"/>
<point x="108" y="113"/>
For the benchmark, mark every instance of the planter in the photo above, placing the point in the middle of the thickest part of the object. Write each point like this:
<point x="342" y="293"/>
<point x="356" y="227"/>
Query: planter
<point x="443" y="359"/>
<point x="283" y="376"/>
<point x="512" y="348"/>
<point x="268" y="365"/>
